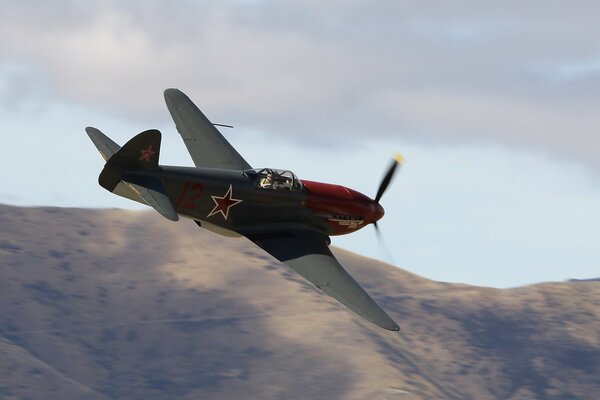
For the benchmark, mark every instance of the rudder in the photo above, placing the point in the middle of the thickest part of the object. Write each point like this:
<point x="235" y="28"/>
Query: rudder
<point x="140" y="153"/>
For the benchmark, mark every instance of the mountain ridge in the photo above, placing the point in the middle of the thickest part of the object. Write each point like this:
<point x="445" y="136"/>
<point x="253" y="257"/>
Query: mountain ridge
<point x="123" y="304"/>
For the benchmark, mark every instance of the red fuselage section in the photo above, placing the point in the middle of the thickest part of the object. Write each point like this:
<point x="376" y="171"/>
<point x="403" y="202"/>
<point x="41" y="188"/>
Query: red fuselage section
<point x="344" y="210"/>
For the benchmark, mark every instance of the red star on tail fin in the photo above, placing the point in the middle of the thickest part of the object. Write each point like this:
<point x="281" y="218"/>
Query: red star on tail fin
<point x="146" y="153"/>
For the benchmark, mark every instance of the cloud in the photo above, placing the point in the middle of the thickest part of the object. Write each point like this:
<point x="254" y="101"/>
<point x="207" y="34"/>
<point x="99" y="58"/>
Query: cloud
<point x="525" y="74"/>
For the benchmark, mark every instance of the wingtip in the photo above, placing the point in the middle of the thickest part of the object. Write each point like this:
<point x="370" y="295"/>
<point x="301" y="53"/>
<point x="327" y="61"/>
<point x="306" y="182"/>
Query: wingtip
<point x="394" y="327"/>
<point x="174" y="98"/>
<point x="170" y="92"/>
<point x="385" y="322"/>
<point x="94" y="134"/>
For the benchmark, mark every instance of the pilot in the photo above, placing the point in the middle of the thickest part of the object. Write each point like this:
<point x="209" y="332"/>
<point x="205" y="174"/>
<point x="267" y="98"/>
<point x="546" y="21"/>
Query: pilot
<point x="267" y="182"/>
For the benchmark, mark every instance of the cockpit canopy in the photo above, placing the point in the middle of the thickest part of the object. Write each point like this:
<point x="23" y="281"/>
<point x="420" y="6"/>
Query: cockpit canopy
<point x="276" y="179"/>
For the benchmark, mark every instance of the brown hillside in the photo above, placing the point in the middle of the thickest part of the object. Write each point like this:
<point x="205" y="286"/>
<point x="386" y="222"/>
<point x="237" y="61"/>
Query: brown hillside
<point x="110" y="304"/>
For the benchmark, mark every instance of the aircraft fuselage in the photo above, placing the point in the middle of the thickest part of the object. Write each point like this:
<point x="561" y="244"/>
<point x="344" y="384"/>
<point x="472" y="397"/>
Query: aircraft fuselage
<point x="235" y="201"/>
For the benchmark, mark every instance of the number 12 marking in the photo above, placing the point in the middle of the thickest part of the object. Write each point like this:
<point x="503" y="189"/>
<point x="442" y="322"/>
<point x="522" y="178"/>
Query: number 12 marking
<point x="196" y="192"/>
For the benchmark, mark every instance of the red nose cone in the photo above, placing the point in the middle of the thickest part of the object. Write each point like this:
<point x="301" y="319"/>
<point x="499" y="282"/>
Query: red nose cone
<point x="379" y="211"/>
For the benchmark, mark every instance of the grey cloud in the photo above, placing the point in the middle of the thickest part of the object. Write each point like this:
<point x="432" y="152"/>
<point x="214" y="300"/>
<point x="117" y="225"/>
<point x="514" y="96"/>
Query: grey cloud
<point x="22" y="88"/>
<point x="524" y="74"/>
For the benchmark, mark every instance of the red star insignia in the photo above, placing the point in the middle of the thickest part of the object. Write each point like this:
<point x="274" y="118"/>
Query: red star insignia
<point x="146" y="153"/>
<point x="224" y="203"/>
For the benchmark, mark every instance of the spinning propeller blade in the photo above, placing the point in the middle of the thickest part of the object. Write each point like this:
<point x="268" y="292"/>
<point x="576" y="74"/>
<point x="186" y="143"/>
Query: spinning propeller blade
<point x="398" y="160"/>
<point x="383" y="245"/>
<point x="385" y="182"/>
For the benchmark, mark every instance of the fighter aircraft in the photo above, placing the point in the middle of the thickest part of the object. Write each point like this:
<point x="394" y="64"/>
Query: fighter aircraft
<point x="289" y="218"/>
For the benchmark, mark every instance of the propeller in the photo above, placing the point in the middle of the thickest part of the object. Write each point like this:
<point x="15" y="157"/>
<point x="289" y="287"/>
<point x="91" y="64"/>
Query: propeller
<point x="383" y="245"/>
<point x="385" y="182"/>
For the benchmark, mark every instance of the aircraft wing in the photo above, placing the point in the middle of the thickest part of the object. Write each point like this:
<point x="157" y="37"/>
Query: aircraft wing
<point x="205" y="143"/>
<point x="308" y="254"/>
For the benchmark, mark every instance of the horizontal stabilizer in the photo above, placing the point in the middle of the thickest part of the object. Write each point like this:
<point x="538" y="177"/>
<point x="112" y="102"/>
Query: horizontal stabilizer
<point x="103" y="143"/>
<point x="107" y="149"/>
<point x="153" y="193"/>
<point x="160" y="202"/>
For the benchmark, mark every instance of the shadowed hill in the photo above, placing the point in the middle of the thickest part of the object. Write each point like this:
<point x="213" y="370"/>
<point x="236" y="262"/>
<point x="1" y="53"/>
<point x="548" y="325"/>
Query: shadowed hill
<point x="107" y="304"/>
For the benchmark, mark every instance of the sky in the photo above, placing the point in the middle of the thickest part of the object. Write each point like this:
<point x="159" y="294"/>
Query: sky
<point x="493" y="105"/>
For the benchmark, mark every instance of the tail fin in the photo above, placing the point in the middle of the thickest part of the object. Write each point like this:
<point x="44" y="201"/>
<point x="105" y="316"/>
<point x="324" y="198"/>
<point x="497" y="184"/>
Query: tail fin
<point x="119" y="176"/>
<point x="139" y="153"/>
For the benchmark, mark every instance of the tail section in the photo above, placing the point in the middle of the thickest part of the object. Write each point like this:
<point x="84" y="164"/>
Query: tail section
<point x="121" y="171"/>
<point x="139" y="153"/>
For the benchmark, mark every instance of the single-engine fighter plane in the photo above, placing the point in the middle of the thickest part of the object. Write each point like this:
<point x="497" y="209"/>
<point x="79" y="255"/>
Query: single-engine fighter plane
<point x="291" y="219"/>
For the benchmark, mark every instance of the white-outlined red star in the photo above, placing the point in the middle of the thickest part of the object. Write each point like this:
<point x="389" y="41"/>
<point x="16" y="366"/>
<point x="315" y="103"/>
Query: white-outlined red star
<point x="146" y="153"/>
<point x="224" y="203"/>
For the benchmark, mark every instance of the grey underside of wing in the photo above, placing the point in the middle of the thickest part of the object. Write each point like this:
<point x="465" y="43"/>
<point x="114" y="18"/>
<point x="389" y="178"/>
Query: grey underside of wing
<point x="309" y="256"/>
<point x="205" y="143"/>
